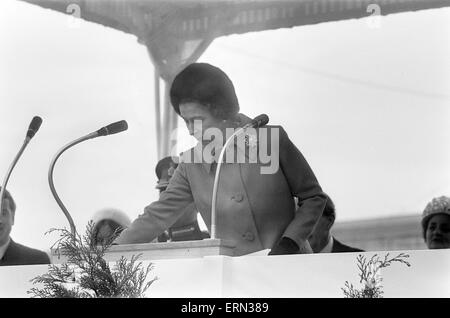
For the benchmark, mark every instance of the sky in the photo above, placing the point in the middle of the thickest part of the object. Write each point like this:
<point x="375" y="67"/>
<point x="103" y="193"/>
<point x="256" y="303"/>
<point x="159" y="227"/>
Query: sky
<point x="367" y="107"/>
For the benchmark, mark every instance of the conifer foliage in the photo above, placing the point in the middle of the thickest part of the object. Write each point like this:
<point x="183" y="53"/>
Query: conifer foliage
<point x="86" y="274"/>
<point x="370" y="275"/>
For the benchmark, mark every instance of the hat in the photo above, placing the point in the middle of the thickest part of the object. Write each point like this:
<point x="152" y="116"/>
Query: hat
<point x="164" y="170"/>
<point x="440" y="205"/>
<point x="112" y="214"/>
<point x="206" y="84"/>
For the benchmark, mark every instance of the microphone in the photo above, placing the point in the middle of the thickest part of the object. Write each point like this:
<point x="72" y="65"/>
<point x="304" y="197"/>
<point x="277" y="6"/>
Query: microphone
<point x="111" y="129"/>
<point x="34" y="126"/>
<point x="256" y="122"/>
<point x="32" y="129"/>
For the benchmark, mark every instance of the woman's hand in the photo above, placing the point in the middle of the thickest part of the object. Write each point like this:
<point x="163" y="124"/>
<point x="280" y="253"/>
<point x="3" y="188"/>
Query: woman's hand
<point x="285" y="246"/>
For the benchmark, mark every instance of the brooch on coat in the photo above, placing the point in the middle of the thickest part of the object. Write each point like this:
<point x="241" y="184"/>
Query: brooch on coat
<point x="251" y="140"/>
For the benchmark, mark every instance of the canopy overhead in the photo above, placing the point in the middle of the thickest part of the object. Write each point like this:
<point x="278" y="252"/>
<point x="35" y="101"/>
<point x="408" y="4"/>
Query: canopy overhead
<point x="193" y="20"/>
<point x="177" y="32"/>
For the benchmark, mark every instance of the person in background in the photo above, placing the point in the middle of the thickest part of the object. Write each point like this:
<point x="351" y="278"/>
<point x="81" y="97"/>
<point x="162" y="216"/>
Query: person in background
<point x="321" y="239"/>
<point x="12" y="253"/>
<point x="436" y="223"/>
<point x="186" y="228"/>
<point x="255" y="210"/>
<point x="107" y="222"/>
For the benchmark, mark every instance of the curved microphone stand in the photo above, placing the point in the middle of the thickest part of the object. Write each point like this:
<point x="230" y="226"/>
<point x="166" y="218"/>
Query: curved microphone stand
<point x="216" y="181"/>
<point x="11" y="167"/>
<point x="32" y="129"/>
<point x="50" y="177"/>
<point x="113" y="128"/>
<point x="258" y="121"/>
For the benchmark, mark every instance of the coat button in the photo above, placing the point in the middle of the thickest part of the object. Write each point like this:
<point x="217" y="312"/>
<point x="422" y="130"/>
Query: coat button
<point x="249" y="236"/>
<point x="237" y="197"/>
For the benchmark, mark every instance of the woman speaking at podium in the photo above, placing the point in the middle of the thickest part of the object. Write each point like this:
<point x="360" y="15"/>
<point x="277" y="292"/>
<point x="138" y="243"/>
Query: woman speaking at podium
<point x="255" y="209"/>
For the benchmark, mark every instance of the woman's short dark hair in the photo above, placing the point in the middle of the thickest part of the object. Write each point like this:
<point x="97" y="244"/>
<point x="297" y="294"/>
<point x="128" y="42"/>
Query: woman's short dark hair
<point x="207" y="85"/>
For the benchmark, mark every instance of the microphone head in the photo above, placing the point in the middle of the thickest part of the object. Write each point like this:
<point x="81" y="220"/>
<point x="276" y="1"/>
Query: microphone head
<point x="260" y="120"/>
<point x="34" y="126"/>
<point x="113" y="128"/>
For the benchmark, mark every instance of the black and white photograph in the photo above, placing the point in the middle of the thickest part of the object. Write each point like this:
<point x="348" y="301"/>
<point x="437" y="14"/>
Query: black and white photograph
<point x="237" y="150"/>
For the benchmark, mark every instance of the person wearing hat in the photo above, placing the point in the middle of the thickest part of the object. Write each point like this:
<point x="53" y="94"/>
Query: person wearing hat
<point x="186" y="228"/>
<point x="12" y="253"/>
<point x="107" y="222"/>
<point x="255" y="210"/>
<point x="321" y="239"/>
<point x="436" y="223"/>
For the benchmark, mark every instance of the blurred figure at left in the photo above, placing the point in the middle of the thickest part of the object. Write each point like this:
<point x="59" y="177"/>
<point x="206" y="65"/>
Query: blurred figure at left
<point x="12" y="253"/>
<point x="107" y="222"/>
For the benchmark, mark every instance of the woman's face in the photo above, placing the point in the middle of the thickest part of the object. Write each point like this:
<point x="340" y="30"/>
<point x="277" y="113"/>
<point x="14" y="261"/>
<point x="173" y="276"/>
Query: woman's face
<point x="438" y="232"/>
<point x="195" y="113"/>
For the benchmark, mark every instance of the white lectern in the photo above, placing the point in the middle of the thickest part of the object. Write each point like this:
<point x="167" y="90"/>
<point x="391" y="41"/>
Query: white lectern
<point x="169" y="250"/>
